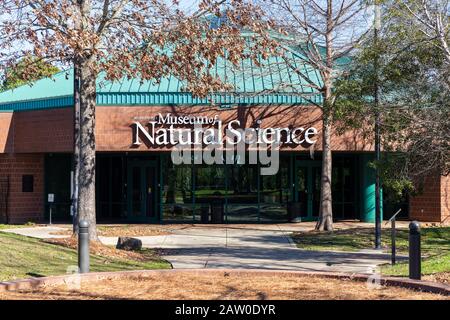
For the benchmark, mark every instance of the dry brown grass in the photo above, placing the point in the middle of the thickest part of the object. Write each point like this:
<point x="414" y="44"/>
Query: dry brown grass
<point x="223" y="287"/>
<point x="99" y="249"/>
<point x="135" y="230"/>
<point x="138" y="230"/>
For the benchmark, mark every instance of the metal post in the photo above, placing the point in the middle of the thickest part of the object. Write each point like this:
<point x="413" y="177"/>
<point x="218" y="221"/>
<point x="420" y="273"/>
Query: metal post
<point x="50" y="215"/>
<point x="83" y="246"/>
<point x="393" y="234"/>
<point x="76" y="144"/>
<point x="414" y="251"/>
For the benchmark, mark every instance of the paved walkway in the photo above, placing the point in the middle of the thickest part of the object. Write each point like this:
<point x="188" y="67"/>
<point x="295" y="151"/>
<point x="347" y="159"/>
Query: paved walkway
<point x="228" y="246"/>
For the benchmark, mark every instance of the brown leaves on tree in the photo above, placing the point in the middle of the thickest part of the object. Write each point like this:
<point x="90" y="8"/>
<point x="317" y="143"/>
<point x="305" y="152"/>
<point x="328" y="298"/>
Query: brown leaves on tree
<point x="140" y="39"/>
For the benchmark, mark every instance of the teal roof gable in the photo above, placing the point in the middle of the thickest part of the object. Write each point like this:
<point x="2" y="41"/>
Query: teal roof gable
<point x="272" y="81"/>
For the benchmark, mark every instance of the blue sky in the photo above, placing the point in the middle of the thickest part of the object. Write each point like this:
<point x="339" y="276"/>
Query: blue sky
<point x="189" y="5"/>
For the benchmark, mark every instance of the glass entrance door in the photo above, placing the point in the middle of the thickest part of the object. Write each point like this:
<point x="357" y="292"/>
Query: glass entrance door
<point x="307" y="188"/>
<point x="142" y="191"/>
<point x="302" y="187"/>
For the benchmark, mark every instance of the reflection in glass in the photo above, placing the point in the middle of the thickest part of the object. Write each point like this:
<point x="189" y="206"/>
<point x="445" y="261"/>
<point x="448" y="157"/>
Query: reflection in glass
<point x="210" y="189"/>
<point x="275" y="194"/>
<point x="177" y="192"/>
<point x="209" y="183"/>
<point x="242" y="200"/>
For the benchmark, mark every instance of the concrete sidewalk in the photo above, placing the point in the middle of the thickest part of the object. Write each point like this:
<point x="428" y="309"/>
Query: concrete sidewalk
<point x="228" y="246"/>
<point x="40" y="232"/>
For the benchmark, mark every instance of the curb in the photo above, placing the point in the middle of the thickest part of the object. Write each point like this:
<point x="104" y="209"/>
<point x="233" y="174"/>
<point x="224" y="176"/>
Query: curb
<point x="34" y="283"/>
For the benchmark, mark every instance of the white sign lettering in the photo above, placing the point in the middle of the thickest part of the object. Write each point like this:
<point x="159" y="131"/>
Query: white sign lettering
<point x="168" y="130"/>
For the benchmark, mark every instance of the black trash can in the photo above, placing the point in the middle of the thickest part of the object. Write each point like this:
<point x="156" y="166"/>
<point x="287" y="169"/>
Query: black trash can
<point x="217" y="212"/>
<point x="294" y="210"/>
<point x="204" y="214"/>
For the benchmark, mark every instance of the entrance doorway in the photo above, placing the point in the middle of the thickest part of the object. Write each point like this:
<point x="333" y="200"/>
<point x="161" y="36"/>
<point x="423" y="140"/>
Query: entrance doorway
<point x="307" y="176"/>
<point x="149" y="188"/>
<point x="142" y="191"/>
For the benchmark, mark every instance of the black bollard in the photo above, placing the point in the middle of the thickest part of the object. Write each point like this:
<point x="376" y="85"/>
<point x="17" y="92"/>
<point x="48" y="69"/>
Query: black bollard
<point x="414" y="251"/>
<point x="393" y="235"/>
<point x="83" y="246"/>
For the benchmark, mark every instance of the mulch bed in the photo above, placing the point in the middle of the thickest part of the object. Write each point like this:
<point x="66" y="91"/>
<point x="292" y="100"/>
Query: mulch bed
<point x="221" y="287"/>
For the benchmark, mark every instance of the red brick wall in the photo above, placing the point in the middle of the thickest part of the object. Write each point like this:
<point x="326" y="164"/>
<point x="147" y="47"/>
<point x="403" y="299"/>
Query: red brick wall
<point x="43" y="131"/>
<point x="114" y="133"/>
<point x="52" y="130"/>
<point x="6" y="131"/>
<point x="445" y="199"/>
<point x="432" y="202"/>
<point x="24" y="206"/>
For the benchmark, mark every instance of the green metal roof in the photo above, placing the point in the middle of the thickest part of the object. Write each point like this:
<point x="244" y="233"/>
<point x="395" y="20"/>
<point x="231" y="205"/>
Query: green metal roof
<point x="273" y="82"/>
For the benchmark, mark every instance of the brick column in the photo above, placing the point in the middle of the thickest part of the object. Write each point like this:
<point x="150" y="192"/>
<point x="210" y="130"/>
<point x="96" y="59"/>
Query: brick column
<point x="432" y="203"/>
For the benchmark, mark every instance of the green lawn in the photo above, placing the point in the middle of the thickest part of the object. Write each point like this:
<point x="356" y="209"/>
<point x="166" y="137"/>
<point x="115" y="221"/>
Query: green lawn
<point x="430" y="265"/>
<point x="435" y="245"/>
<point x="12" y="226"/>
<point x="24" y="257"/>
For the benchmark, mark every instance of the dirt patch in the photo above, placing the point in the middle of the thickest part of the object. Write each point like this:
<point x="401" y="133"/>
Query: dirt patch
<point x="222" y="287"/>
<point x="100" y="249"/>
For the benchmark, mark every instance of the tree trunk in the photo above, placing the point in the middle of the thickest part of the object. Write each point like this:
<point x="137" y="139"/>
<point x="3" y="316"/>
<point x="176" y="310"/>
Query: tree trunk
<point x="325" y="221"/>
<point x="86" y="198"/>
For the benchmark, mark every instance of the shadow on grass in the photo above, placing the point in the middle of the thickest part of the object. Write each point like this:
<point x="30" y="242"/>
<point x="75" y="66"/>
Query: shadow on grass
<point x="35" y="275"/>
<point x="434" y="240"/>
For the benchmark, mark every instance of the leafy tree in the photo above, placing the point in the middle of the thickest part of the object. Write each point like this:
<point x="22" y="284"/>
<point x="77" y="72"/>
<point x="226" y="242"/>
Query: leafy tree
<point x="413" y="76"/>
<point x="27" y="70"/>
<point x="144" y="39"/>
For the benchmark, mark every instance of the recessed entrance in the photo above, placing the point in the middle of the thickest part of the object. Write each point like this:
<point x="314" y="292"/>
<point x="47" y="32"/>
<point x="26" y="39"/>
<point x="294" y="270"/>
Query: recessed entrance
<point x="144" y="187"/>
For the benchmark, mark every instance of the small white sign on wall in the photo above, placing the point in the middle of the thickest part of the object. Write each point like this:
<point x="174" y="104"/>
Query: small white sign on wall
<point x="51" y="198"/>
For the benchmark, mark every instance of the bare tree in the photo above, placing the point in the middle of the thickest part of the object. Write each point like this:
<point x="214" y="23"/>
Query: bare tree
<point x="144" y="39"/>
<point x="323" y="33"/>
<point x="423" y="107"/>
<point x="432" y="18"/>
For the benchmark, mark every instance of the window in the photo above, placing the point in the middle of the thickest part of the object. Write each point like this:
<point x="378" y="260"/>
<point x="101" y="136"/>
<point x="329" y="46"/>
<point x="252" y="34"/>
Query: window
<point x="177" y="195"/>
<point x="242" y="193"/>
<point x="27" y="183"/>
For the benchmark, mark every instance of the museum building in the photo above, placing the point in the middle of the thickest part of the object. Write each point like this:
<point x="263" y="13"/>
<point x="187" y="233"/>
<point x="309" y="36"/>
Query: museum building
<point x="138" y="181"/>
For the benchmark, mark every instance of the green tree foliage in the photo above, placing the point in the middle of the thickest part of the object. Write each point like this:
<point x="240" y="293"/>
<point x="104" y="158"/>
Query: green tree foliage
<point x="413" y="77"/>
<point x="27" y="70"/>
